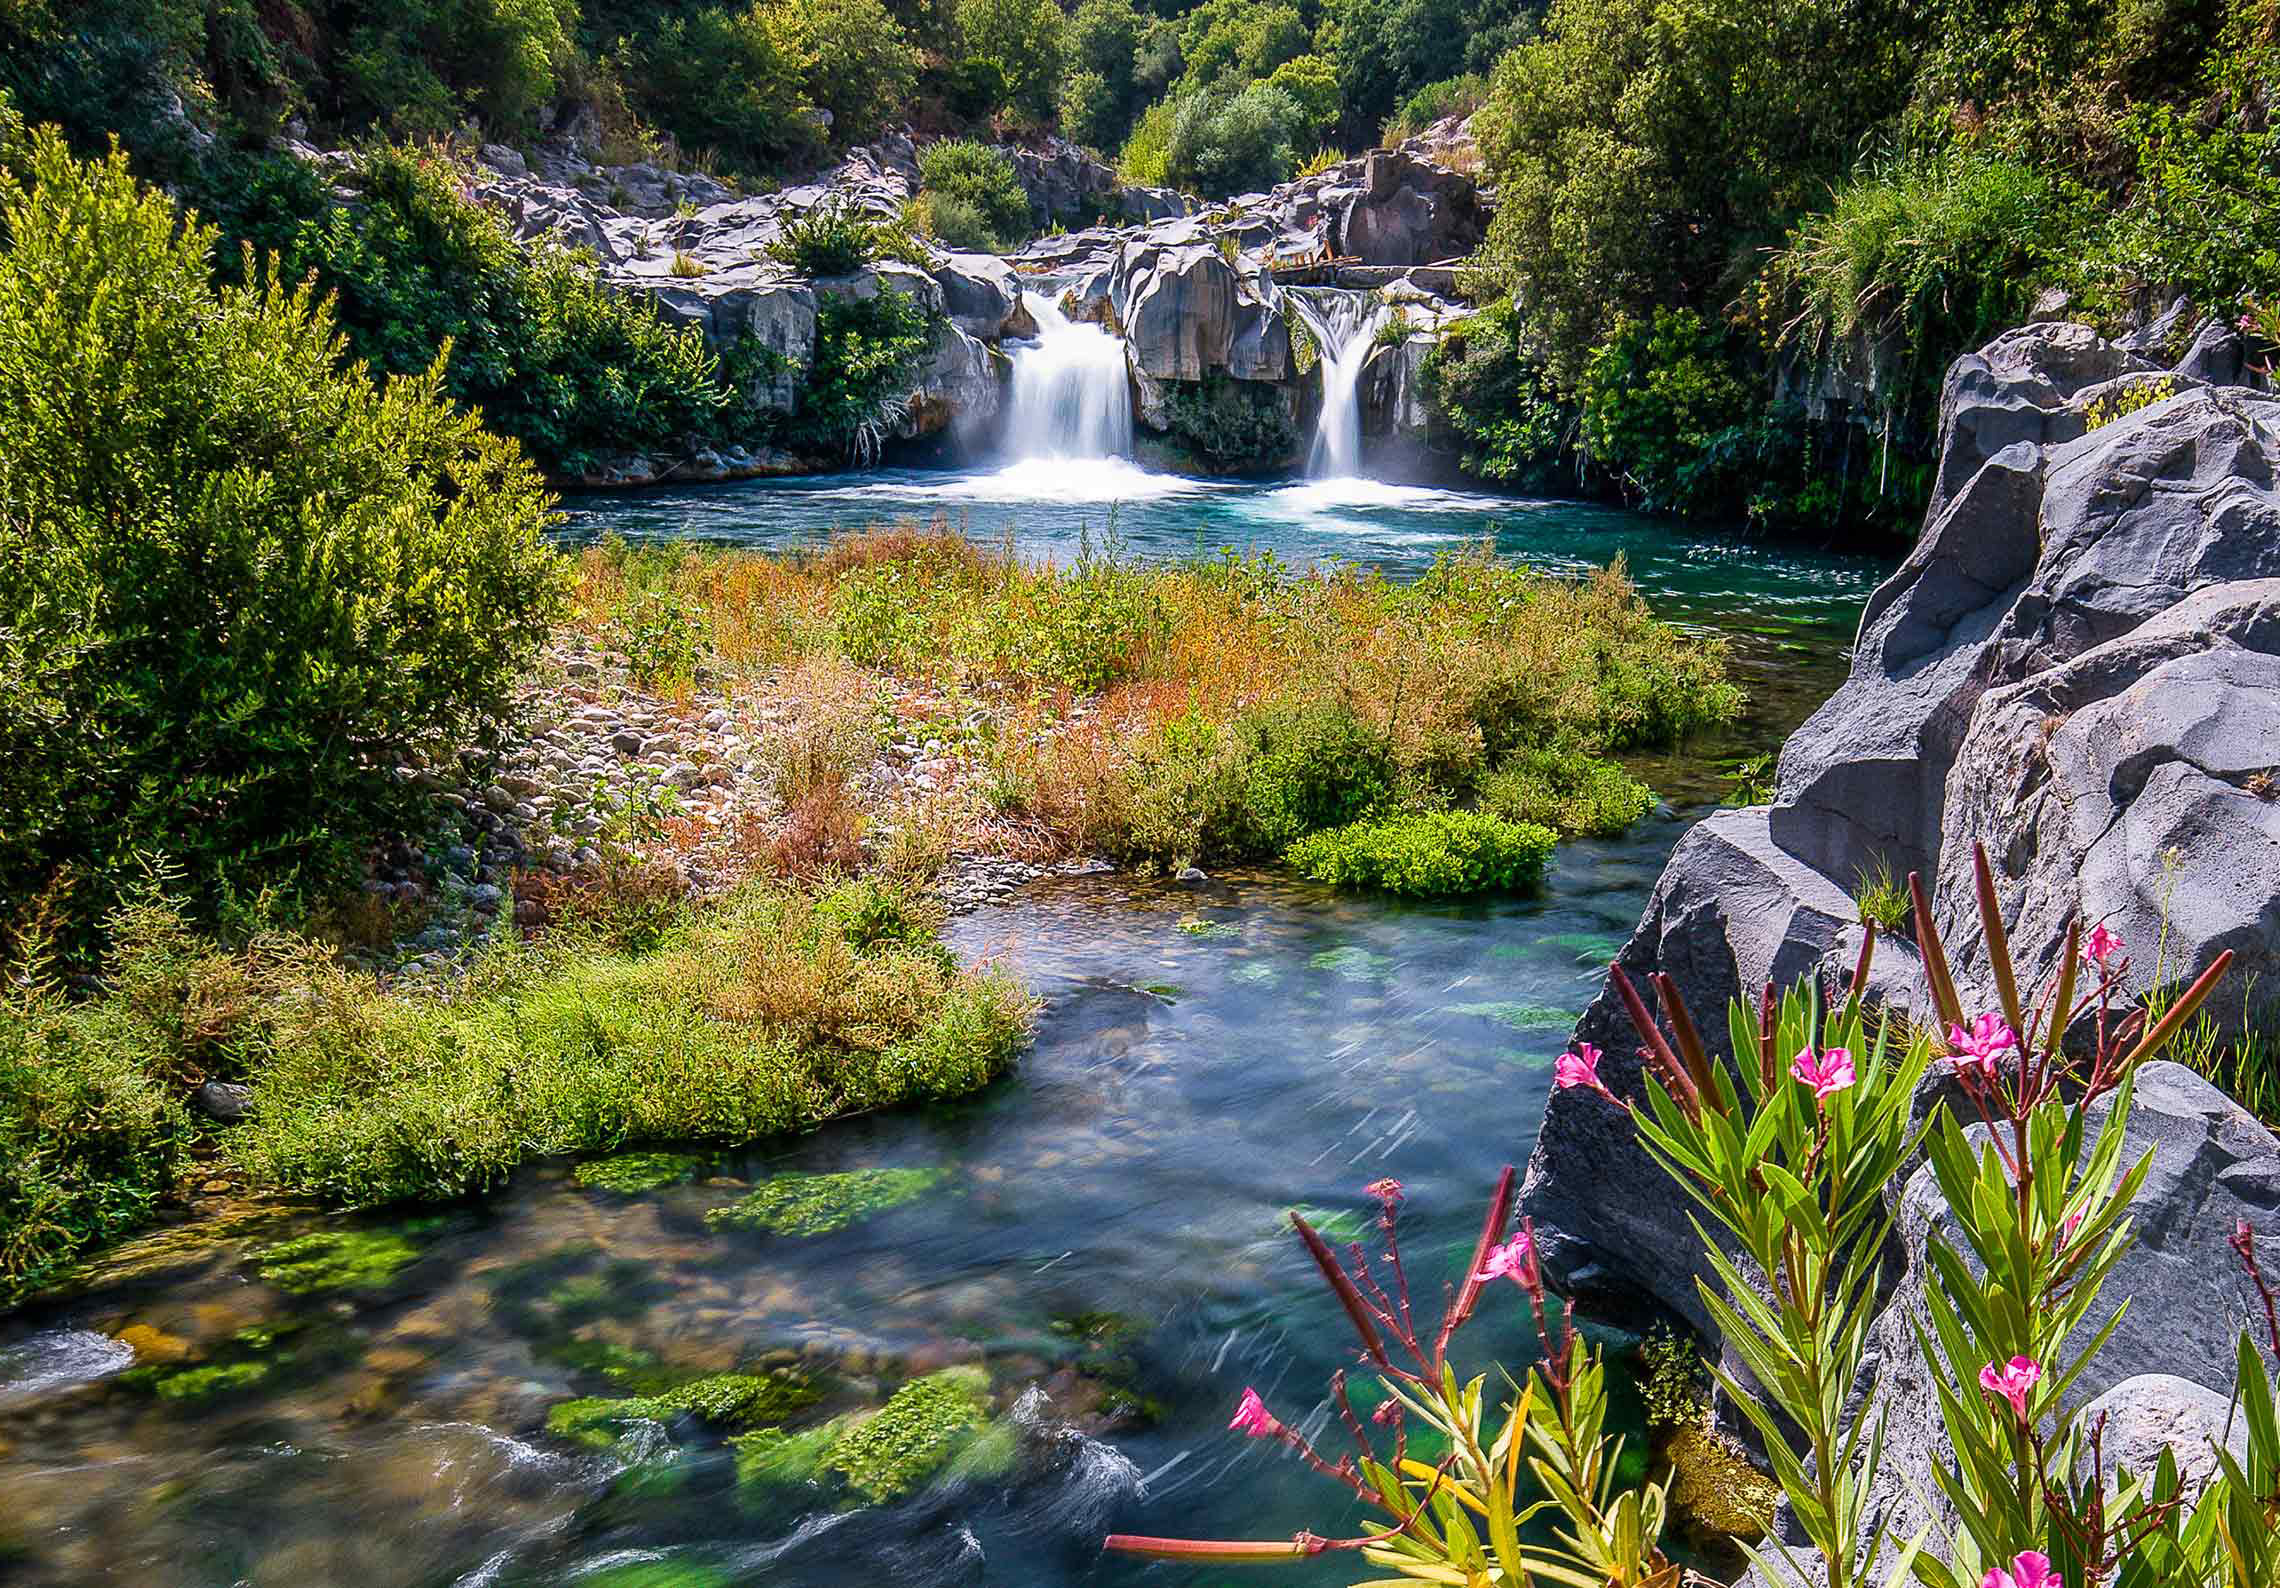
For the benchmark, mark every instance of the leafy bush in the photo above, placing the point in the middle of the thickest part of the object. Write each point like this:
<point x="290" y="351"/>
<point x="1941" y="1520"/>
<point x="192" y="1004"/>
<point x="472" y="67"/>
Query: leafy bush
<point x="1312" y="85"/>
<point x="90" y="1139"/>
<point x="1022" y="40"/>
<point x="1451" y="96"/>
<point x="953" y="222"/>
<point x="831" y="239"/>
<point x="775" y="1014"/>
<point x="1653" y="396"/>
<point x="1388" y="51"/>
<point x="722" y="81"/>
<point x="981" y="178"/>
<point x="858" y="64"/>
<point x="1500" y="401"/>
<point x="1101" y="89"/>
<point x="1231" y="426"/>
<point x="1577" y="795"/>
<point x="573" y="371"/>
<point x="1226" y="44"/>
<point x="1207" y="793"/>
<point x="1428" y="853"/>
<point x="237" y="581"/>
<point x="1221" y="144"/>
<point x="868" y="352"/>
<point x="1146" y="159"/>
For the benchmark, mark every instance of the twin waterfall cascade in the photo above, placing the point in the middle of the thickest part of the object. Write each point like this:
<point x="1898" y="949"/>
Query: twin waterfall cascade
<point x="1071" y="397"/>
<point x="1345" y="327"/>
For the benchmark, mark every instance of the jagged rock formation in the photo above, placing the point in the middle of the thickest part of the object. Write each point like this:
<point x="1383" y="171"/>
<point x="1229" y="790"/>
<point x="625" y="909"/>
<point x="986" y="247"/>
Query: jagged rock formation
<point x="1195" y="295"/>
<point x="2078" y="667"/>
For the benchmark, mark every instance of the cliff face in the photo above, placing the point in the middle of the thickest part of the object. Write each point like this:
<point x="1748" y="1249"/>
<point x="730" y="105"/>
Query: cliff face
<point x="2078" y="666"/>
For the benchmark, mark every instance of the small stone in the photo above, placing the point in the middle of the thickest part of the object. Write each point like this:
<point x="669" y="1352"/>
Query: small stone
<point x="627" y="742"/>
<point x="224" y="1100"/>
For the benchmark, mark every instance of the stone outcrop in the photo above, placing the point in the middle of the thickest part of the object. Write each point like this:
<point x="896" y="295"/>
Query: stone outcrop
<point x="2077" y="667"/>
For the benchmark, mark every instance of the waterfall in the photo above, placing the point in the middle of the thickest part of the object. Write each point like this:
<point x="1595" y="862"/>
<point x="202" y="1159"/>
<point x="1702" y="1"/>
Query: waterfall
<point x="1071" y="397"/>
<point x="1345" y="326"/>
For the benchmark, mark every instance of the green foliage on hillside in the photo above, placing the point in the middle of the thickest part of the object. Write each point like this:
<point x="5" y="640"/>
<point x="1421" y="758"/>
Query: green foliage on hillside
<point x="237" y="579"/>
<point x="1824" y="187"/>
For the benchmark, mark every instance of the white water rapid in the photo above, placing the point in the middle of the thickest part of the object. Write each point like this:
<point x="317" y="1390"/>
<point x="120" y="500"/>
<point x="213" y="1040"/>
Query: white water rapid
<point x="1071" y="398"/>
<point x="1345" y="326"/>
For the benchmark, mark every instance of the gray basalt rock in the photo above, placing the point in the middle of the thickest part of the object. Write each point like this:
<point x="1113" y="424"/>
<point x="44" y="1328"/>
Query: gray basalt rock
<point x="2078" y="667"/>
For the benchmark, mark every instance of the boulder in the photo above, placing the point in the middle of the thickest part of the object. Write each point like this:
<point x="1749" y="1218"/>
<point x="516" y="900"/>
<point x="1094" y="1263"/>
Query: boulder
<point x="980" y="293"/>
<point x="1188" y="312"/>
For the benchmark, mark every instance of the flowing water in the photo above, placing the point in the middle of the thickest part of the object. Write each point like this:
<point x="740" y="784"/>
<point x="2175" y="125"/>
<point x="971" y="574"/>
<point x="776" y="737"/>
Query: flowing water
<point x="1068" y="397"/>
<point x="1344" y="326"/>
<point x="1101" y="1233"/>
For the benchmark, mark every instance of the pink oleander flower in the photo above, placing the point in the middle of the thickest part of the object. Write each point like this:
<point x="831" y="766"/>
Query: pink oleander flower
<point x="2066" y="1230"/>
<point x="1387" y="1191"/>
<point x="1514" y="1260"/>
<point x="1253" y="1418"/>
<point x="2103" y="945"/>
<point x="2013" y="1381"/>
<point x="1579" y="1067"/>
<point x="1826" y="1070"/>
<point x="1389" y="1411"/>
<point x="1978" y="1048"/>
<point x="2028" y="1570"/>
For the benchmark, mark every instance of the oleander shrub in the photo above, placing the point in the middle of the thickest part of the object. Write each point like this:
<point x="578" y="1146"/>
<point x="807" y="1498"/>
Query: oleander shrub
<point x="829" y="240"/>
<point x="1428" y="854"/>
<point x="238" y="580"/>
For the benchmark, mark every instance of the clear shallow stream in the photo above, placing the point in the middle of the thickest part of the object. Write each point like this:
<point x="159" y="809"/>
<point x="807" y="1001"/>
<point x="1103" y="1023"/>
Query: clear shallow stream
<point x="1107" y="1233"/>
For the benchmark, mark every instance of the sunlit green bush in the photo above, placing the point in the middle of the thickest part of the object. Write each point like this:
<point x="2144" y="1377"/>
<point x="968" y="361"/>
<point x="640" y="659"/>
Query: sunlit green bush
<point x="981" y="179"/>
<point x="1427" y="853"/>
<point x="238" y="580"/>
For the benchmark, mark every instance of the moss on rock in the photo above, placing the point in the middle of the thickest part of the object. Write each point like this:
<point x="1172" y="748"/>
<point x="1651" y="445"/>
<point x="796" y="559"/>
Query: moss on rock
<point x="1713" y="1488"/>
<point x="817" y="1204"/>
<point x="722" y="1400"/>
<point x="921" y="1428"/>
<point x="335" y="1260"/>
<point x="631" y="1173"/>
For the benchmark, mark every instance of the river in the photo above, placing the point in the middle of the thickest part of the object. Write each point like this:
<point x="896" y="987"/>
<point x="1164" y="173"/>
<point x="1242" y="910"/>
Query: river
<point x="1102" y="1233"/>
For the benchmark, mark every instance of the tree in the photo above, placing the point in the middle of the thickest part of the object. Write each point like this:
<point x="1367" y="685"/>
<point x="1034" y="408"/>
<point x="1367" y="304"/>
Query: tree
<point x="1098" y="98"/>
<point x="853" y="57"/>
<point x="1645" y="151"/>
<point x="1022" y="40"/>
<point x="238" y="580"/>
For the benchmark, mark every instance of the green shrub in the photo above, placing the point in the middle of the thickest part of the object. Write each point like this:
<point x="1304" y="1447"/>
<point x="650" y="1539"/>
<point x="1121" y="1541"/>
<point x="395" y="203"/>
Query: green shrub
<point x="1312" y="84"/>
<point x="772" y="1015"/>
<point x="1653" y="396"/>
<point x="954" y="223"/>
<point x="1574" y="794"/>
<point x="237" y="581"/>
<point x="1451" y="96"/>
<point x="831" y="239"/>
<point x="1427" y="854"/>
<point x="723" y="81"/>
<point x="90" y="1138"/>
<point x="1231" y="426"/>
<point x="1222" y="143"/>
<point x="858" y="64"/>
<point x="1146" y="160"/>
<point x="981" y="178"/>
<point x="1101" y="90"/>
<point x="571" y="370"/>
<point x="1245" y="791"/>
<point x="868" y="354"/>
<point x="1500" y="401"/>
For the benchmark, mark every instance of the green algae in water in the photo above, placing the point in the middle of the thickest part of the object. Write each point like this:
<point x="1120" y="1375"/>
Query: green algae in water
<point x="642" y="1372"/>
<point x="1520" y="1017"/>
<point x="658" y="1574"/>
<point x="818" y="1204"/>
<point x="724" y="1400"/>
<point x="1352" y="962"/>
<point x="1342" y="1225"/>
<point x="1213" y="931"/>
<point x="1528" y="1060"/>
<point x="201" y="1383"/>
<point x="1591" y="948"/>
<point x="914" y="1435"/>
<point x="335" y="1260"/>
<point x="631" y="1173"/>
<point x="773" y="1459"/>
